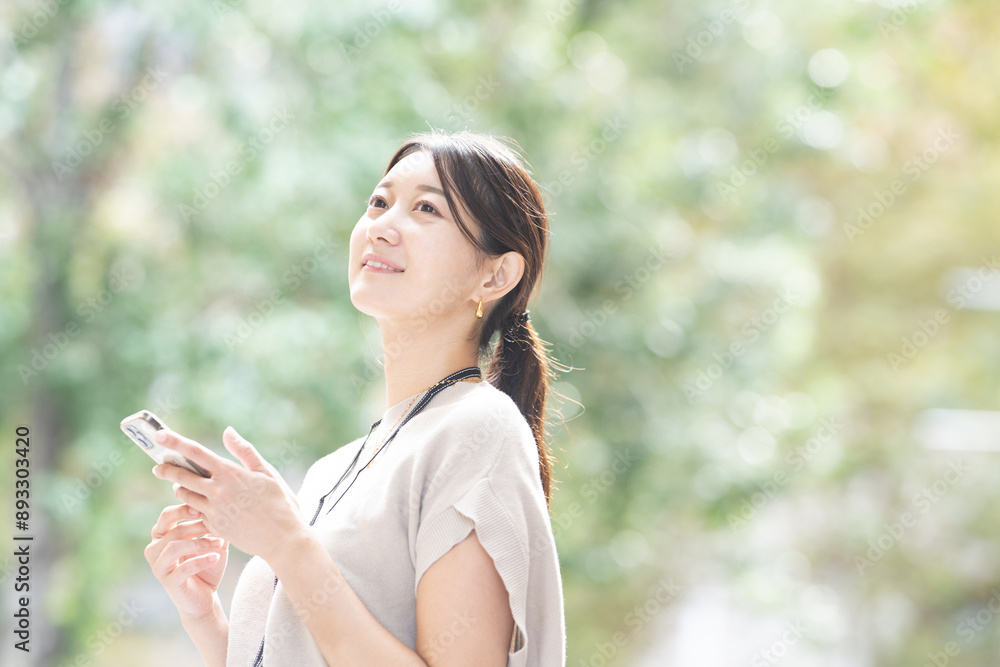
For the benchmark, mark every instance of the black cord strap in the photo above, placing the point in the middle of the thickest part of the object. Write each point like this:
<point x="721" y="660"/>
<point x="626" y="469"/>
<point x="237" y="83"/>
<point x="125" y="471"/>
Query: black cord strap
<point x="458" y="376"/>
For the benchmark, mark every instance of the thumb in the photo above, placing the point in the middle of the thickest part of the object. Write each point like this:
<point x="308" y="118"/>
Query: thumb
<point x="241" y="448"/>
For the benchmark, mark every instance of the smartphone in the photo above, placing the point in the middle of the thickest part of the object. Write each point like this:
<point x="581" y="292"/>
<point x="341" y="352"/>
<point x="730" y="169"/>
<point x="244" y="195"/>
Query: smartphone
<point x="142" y="427"/>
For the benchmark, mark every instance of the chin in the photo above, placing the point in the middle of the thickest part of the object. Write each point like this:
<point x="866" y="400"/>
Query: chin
<point x="371" y="305"/>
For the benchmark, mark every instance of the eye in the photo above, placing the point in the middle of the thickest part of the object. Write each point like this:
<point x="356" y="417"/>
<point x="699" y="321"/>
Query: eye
<point x="424" y="207"/>
<point x="376" y="201"/>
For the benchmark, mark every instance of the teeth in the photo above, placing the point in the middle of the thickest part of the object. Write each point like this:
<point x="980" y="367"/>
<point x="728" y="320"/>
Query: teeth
<point x="380" y="265"/>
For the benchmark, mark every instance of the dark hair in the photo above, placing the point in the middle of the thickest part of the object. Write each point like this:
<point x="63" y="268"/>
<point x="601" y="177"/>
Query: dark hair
<point x="489" y="179"/>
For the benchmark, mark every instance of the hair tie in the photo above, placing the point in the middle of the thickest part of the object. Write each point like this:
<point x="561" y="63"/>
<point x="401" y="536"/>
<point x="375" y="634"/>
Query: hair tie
<point x="513" y="323"/>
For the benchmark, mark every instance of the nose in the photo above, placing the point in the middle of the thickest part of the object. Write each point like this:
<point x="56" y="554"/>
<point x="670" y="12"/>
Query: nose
<point x="383" y="228"/>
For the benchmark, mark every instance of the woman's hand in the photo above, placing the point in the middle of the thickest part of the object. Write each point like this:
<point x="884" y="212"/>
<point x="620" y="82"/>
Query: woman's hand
<point x="249" y="505"/>
<point x="187" y="560"/>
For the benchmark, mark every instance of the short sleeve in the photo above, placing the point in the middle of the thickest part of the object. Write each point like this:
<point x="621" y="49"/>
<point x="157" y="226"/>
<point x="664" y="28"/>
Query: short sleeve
<point x="487" y="481"/>
<point x="499" y="533"/>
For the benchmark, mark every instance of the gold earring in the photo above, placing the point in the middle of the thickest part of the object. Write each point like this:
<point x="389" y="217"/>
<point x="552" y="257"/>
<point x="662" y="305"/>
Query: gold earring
<point x="479" y="311"/>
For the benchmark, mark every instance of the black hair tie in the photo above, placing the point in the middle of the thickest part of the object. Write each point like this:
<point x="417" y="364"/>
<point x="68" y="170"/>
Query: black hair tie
<point x="513" y="323"/>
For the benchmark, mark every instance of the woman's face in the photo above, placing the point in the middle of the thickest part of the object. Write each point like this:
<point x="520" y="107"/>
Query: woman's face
<point x="409" y="227"/>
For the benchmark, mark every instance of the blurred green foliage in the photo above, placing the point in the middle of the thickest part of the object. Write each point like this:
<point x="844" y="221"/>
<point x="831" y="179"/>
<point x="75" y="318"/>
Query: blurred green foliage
<point x="754" y="207"/>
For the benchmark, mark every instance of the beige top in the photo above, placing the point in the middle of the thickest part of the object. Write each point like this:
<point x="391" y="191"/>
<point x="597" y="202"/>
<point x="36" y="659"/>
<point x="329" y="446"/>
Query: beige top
<point x="467" y="461"/>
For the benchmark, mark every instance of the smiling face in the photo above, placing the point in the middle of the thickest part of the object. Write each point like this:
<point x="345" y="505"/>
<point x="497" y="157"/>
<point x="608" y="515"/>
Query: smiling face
<point x="409" y="259"/>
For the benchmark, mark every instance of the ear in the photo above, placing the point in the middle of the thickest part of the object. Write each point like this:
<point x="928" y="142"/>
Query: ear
<point x="505" y="273"/>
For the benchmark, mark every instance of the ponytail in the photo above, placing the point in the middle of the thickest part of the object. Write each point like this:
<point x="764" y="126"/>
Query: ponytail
<point x="521" y="369"/>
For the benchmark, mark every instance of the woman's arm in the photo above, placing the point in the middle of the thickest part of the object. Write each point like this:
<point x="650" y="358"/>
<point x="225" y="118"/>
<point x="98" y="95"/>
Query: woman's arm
<point x="210" y="634"/>
<point x="463" y="613"/>
<point x="189" y="562"/>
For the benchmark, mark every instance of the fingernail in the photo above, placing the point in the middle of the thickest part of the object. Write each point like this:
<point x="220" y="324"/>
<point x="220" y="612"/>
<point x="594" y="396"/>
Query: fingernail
<point x="192" y="511"/>
<point x="156" y="471"/>
<point x="161" y="436"/>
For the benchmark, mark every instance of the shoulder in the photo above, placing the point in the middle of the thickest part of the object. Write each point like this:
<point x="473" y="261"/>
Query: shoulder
<point x="481" y="419"/>
<point x="476" y="437"/>
<point x="481" y="408"/>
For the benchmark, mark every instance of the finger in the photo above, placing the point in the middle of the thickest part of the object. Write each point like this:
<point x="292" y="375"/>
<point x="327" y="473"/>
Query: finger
<point x="180" y="549"/>
<point x="198" y="453"/>
<point x="183" y="531"/>
<point x="182" y="476"/>
<point x="244" y="452"/>
<point x="177" y="552"/>
<point x="192" y="566"/>
<point x="195" y="500"/>
<point x="172" y="515"/>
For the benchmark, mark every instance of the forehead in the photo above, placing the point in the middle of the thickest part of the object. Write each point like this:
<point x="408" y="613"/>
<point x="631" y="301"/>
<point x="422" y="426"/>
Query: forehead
<point x="418" y="167"/>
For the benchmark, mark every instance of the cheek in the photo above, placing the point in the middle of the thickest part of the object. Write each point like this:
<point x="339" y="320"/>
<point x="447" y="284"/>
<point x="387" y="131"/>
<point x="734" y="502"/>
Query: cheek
<point x="357" y="239"/>
<point x="356" y="247"/>
<point x="453" y="260"/>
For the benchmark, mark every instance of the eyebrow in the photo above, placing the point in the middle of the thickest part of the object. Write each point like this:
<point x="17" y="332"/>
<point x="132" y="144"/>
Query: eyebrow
<point x="423" y="187"/>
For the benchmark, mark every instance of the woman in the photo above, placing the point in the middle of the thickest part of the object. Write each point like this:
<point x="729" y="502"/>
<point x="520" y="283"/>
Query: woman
<point x="428" y="542"/>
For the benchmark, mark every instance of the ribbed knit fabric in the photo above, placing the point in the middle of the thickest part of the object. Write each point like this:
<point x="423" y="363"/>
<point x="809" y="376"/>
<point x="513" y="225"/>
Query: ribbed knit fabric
<point x="466" y="461"/>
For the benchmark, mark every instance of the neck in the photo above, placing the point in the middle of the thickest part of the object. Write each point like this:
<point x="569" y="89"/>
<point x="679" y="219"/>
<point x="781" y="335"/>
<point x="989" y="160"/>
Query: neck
<point x="414" y="362"/>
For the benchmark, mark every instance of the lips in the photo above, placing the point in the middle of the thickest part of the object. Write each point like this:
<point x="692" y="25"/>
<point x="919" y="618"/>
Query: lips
<point x="378" y="262"/>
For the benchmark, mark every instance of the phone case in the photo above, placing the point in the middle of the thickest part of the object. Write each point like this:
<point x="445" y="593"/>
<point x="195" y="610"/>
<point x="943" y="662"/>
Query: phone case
<point x="141" y="427"/>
